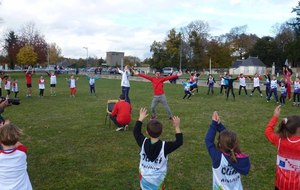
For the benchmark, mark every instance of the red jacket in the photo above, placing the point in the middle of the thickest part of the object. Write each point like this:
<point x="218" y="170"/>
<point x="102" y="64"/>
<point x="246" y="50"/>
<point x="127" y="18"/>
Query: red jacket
<point x="288" y="158"/>
<point x="158" y="83"/>
<point x="122" y="110"/>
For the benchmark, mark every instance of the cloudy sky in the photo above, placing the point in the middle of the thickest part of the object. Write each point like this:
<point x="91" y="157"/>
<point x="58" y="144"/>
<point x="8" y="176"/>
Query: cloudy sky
<point x="132" y="25"/>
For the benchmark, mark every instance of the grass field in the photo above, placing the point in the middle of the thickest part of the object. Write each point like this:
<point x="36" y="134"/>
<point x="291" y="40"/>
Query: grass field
<point x="70" y="147"/>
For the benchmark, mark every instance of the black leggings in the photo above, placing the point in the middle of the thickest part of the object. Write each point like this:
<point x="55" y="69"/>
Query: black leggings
<point x="282" y="99"/>
<point x="221" y="90"/>
<point x="92" y="89"/>
<point x="230" y="88"/>
<point x="41" y="92"/>
<point x="244" y="87"/>
<point x="188" y="94"/>
<point x="258" y="88"/>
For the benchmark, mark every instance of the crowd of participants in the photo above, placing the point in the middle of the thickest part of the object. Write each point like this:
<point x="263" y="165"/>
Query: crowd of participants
<point x="228" y="161"/>
<point x="289" y="89"/>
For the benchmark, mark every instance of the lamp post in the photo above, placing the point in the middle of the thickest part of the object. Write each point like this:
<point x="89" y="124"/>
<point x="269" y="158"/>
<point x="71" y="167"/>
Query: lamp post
<point x="87" y="54"/>
<point x="209" y="65"/>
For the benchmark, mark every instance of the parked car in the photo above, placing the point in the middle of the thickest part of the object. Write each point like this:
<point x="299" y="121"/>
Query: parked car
<point x="168" y="70"/>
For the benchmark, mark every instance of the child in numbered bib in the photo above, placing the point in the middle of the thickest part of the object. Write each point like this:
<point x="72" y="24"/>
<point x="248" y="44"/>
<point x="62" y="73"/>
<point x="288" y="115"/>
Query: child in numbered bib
<point x="287" y="141"/>
<point x="228" y="162"/>
<point x="154" y="152"/>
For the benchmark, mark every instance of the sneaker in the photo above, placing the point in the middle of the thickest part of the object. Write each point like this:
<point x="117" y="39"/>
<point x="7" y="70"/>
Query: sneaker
<point x="251" y="94"/>
<point x="120" y="129"/>
<point x="126" y="128"/>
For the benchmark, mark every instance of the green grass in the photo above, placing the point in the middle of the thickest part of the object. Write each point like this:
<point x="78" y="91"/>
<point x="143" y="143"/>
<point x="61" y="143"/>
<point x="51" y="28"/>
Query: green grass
<point x="70" y="147"/>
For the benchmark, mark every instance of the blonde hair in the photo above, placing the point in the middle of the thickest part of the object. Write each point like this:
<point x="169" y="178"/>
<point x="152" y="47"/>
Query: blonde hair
<point x="9" y="134"/>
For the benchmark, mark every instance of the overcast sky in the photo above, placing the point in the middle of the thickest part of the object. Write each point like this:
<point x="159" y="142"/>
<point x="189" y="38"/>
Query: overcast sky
<point x="132" y="25"/>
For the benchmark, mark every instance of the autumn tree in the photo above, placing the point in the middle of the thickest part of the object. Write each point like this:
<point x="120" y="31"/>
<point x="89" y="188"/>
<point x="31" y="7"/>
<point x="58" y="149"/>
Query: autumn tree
<point x="159" y="55"/>
<point x="239" y="41"/>
<point x="284" y="35"/>
<point x="219" y="54"/>
<point x="27" y="56"/>
<point x="12" y="47"/>
<point x="30" y="36"/>
<point x="54" y="53"/>
<point x="172" y="44"/>
<point x="267" y="51"/>
<point x="197" y="35"/>
<point x="131" y="60"/>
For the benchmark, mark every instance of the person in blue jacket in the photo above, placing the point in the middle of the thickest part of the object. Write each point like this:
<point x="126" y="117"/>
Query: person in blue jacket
<point x="228" y="162"/>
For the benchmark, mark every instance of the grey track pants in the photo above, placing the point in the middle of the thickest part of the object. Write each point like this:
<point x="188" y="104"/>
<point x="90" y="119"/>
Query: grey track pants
<point x="163" y="100"/>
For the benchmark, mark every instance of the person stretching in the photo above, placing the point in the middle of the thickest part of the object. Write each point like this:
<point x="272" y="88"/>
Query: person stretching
<point x="158" y="89"/>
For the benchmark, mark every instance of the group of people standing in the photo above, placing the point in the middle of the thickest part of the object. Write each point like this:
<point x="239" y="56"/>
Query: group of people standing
<point x="120" y="114"/>
<point x="271" y="82"/>
<point x="228" y="161"/>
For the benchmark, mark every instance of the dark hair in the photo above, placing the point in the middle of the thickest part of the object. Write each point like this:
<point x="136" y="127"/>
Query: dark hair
<point x="288" y="126"/>
<point x="9" y="134"/>
<point x="154" y="128"/>
<point x="122" y="97"/>
<point x="228" y="142"/>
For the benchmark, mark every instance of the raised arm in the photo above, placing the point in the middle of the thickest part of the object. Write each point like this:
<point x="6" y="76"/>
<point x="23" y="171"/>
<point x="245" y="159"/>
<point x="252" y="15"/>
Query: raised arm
<point x="120" y="71"/>
<point x="215" y="126"/>
<point x="170" y="146"/>
<point x="145" y="76"/>
<point x="137" y="131"/>
<point x="269" y="131"/>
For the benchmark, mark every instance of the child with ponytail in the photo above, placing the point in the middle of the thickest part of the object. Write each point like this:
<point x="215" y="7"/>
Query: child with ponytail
<point x="227" y="159"/>
<point x="287" y="141"/>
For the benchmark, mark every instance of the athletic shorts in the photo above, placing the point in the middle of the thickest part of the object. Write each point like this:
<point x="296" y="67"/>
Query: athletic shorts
<point x="29" y="85"/>
<point x="52" y="85"/>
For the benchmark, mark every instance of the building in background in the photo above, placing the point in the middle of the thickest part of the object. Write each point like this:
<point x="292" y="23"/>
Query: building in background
<point x="248" y="66"/>
<point x="115" y="59"/>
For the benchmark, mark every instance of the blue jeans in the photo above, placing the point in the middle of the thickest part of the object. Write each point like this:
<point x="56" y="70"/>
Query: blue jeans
<point x="125" y="92"/>
<point x="273" y="90"/>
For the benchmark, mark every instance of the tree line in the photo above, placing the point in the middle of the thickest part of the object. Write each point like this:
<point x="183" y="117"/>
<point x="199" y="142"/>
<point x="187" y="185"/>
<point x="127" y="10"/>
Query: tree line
<point x="193" y="47"/>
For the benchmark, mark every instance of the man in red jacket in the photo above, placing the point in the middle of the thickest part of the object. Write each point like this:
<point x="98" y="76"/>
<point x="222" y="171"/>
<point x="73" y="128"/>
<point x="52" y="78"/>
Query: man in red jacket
<point x="121" y="114"/>
<point x="158" y="89"/>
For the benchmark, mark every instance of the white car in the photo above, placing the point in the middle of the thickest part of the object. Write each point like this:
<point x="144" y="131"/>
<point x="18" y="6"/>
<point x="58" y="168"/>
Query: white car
<point x="168" y="70"/>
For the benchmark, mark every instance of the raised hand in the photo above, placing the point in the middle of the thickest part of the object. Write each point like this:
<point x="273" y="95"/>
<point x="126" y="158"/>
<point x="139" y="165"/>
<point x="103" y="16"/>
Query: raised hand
<point x="143" y="114"/>
<point x="179" y="73"/>
<point x="176" y="121"/>
<point x="277" y="111"/>
<point x="215" y="117"/>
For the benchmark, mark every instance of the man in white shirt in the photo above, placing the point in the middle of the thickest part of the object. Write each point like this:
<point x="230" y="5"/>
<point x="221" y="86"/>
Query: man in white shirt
<point x="125" y="82"/>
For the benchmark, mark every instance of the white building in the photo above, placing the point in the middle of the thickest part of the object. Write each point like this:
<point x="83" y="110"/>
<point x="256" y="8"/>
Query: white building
<point x="115" y="59"/>
<point x="248" y="66"/>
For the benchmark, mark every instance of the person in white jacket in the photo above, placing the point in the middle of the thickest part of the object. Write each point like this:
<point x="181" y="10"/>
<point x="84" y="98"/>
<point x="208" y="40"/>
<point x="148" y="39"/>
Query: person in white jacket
<point x="125" y="82"/>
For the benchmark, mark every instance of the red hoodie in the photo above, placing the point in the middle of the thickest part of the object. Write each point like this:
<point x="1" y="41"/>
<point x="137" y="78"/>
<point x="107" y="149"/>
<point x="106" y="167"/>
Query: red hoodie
<point x="122" y="110"/>
<point x="158" y="83"/>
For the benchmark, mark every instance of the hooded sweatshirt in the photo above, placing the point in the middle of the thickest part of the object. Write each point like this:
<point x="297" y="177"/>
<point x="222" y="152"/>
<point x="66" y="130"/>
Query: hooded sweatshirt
<point x="222" y="162"/>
